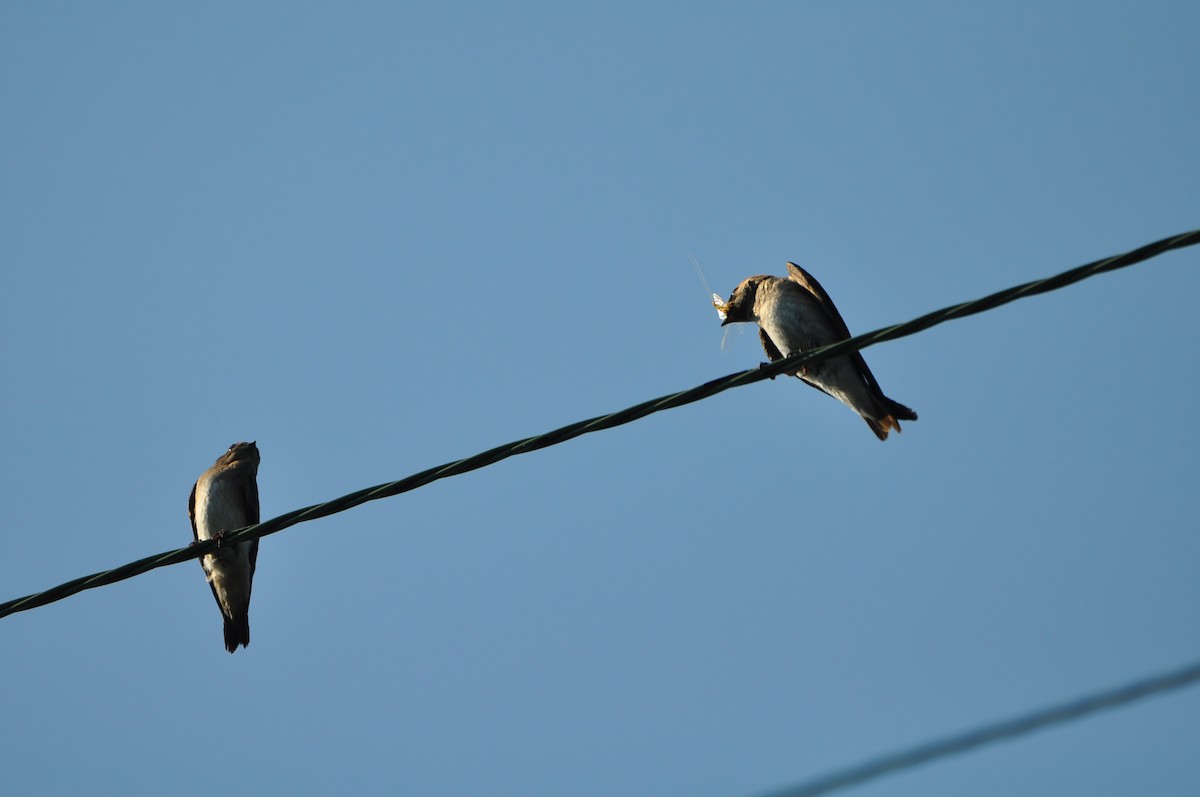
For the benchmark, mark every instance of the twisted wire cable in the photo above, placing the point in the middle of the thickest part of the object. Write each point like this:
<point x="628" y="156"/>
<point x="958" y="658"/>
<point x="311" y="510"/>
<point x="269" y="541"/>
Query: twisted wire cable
<point x="619" y="418"/>
<point x="987" y="734"/>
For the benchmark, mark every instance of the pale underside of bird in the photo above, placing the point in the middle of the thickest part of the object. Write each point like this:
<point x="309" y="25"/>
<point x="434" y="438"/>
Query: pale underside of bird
<point x="225" y="498"/>
<point x="794" y="314"/>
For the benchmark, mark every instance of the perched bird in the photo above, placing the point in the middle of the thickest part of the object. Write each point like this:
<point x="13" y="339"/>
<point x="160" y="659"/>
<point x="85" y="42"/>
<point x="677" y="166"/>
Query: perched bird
<point x="225" y="498"/>
<point x="794" y="314"/>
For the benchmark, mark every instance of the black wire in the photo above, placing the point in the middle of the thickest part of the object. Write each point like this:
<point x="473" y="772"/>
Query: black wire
<point x="619" y="418"/>
<point x="986" y="734"/>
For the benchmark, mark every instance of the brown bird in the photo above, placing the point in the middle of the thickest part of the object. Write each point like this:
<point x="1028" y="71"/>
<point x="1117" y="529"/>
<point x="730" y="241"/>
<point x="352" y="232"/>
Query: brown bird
<point x="225" y="498"/>
<point x="794" y="314"/>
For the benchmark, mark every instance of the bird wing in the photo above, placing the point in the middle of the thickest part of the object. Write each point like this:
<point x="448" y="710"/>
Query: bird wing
<point x="192" y="512"/>
<point x="252" y="516"/>
<point x="773" y="352"/>
<point x="809" y="283"/>
<point x="196" y="535"/>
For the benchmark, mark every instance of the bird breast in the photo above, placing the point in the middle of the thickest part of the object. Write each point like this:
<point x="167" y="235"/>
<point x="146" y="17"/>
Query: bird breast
<point x="794" y="319"/>
<point x="218" y="508"/>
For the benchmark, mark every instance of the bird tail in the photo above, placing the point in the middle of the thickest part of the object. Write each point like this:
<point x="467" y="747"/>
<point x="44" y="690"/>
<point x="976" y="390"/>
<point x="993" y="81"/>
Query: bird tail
<point x="237" y="632"/>
<point x="896" y="412"/>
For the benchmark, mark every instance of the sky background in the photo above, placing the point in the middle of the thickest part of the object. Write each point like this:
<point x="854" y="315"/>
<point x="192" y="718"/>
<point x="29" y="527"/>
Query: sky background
<point x="377" y="237"/>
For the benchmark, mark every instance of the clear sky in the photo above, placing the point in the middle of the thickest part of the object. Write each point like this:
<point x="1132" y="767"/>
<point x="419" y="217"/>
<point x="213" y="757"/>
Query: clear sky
<point x="376" y="238"/>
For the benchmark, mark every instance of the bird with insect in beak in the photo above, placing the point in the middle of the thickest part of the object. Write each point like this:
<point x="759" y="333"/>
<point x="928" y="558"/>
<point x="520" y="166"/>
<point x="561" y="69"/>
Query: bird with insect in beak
<point x="225" y="498"/>
<point x="794" y="314"/>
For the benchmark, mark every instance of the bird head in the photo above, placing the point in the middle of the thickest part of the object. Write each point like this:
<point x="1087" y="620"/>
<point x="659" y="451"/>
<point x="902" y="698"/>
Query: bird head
<point x="241" y="452"/>
<point x="740" y="306"/>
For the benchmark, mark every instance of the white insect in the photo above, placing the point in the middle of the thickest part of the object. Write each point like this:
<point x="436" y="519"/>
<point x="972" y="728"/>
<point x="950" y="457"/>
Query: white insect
<point x="717" y="302"/>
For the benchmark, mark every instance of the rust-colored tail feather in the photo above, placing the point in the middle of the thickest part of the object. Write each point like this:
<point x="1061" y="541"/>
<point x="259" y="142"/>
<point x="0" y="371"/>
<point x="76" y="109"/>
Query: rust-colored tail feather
<point x="882" y="426"/>
<point x="896" y="413"/>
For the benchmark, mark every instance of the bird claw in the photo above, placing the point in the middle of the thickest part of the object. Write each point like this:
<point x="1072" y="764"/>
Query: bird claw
<point x="220" y="538"/>
<point x="764" y="365"/>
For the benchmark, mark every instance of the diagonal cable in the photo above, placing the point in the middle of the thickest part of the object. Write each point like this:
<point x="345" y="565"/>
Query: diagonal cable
<point x="619" y="418"/>
<point x="987" y="734"/>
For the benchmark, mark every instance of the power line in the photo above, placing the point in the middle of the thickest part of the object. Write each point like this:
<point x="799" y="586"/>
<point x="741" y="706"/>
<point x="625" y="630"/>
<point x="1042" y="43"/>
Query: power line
<point x="1006" y="729"/>
<point x="628" y="415"/>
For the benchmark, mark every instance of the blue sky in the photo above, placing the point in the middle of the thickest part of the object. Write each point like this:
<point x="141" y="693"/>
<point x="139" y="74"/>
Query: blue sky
<point x="378" y="238"/>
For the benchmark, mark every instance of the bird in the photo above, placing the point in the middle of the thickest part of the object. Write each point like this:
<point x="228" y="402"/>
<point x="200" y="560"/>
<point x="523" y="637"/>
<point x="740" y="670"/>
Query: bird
<point x="225" y="498"/>
<point x="795" y="314"/>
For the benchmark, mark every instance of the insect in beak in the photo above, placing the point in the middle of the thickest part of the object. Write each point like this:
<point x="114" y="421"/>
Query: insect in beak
<point x="721" y="306"/>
